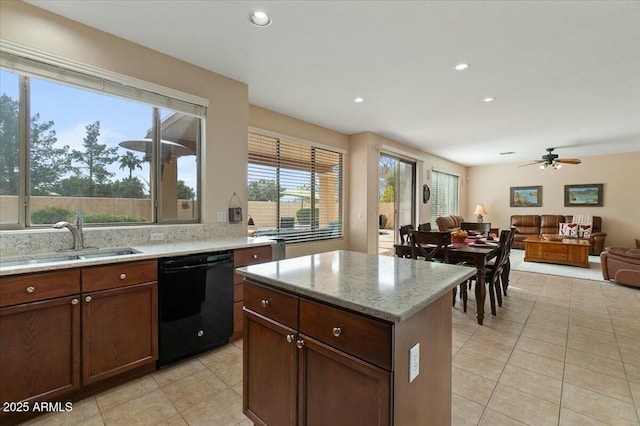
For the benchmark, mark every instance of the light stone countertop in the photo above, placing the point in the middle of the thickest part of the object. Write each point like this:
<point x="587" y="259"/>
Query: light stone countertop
<point x="150" y="251"/>
<point x="385" y="287"/>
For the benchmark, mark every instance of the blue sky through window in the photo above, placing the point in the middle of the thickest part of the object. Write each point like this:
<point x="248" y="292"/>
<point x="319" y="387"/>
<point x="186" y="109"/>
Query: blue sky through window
<point x="72" y="109"/>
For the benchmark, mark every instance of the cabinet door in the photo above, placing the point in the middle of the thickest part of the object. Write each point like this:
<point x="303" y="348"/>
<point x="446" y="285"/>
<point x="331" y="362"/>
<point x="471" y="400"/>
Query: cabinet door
<point x="269" y="371"/>
<point x="340" y="390"/>
<point x="119" y="330"/>
<point x="39" y="350"/>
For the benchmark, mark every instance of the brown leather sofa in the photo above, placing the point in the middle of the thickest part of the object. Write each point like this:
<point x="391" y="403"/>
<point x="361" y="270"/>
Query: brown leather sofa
<point x="449" y="223"/>
<point x="531" y="224"/>
<point x="621" y="265"/>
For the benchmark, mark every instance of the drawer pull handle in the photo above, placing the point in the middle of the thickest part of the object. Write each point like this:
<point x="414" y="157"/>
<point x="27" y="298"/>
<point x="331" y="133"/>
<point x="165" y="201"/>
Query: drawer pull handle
<point x="31" y="289"/>
<point x="255" y="256"/>
<point x="291" y="338"/>
<point x="264" y="303"/>
<point x="337" y="331"/>
<point x="74" y="301"/>
<point x="123" y="276"/>
<point x="88" y="299"/>
<point x="299" y="344"/>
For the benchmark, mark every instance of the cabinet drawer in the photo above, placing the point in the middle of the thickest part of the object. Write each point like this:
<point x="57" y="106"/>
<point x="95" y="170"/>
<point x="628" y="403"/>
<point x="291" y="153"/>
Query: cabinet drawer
<point x="251" y="256"/>
<point x="33" y="287"/>
<point x="237" y="317"/>
<point x="357" y="335"/>
<point x="238" y="292"/>
<point x="555" y="248"/>
<point x="237" y="278"/>
<point x="118" y="275"/>
<point x="554" y="256"/>
<point x="273" y="304"/>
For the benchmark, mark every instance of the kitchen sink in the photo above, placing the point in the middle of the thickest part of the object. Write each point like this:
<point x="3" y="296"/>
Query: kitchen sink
<point x="37" y="260"/>
<point x="108" y="253"/>
<point x="76" y="255"/>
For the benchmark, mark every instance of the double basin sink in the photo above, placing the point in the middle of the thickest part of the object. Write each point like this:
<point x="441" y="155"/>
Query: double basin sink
<point x="68" y="256"/>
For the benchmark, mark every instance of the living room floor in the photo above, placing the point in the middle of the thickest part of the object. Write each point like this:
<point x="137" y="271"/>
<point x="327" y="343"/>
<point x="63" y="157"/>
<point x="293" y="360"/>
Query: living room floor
<point x="561" y="351"/>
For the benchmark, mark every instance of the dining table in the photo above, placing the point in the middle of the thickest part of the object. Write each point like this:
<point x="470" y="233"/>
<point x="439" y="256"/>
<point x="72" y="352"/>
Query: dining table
<point x="473" y="251"/>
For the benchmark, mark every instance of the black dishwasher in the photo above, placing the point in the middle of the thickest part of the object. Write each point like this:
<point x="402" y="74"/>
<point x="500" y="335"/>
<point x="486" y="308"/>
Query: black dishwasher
<point x="195" y="296"/>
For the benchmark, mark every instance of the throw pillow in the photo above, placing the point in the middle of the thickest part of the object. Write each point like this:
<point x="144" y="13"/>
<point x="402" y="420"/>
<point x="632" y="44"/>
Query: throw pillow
<point x="568" y="230"/>
<point x="582" y="219"/>
<point x="584" y="231"/>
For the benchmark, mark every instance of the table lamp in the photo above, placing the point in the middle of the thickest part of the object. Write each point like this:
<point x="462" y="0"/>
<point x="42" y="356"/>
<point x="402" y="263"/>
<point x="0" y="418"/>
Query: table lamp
<point x="480" y="210"/>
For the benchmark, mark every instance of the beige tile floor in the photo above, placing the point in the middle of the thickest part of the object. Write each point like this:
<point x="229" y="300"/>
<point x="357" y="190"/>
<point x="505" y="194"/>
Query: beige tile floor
<point x="561" y="351"/>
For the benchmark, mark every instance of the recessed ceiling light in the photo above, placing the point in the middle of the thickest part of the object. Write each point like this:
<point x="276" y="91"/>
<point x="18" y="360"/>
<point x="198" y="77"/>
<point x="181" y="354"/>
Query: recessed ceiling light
<point x="259" y="18"/>
<point x="488" y="99"/>
<point x="461" y="67"/>
<point x="358" y="100"/>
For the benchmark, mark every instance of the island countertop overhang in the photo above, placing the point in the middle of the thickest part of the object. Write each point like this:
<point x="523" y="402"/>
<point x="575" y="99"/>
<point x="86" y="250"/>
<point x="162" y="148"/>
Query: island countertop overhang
<point x="384" y="287"/>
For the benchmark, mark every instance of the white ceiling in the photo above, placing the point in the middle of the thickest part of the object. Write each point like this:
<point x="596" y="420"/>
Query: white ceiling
<point x="564" y="74"/>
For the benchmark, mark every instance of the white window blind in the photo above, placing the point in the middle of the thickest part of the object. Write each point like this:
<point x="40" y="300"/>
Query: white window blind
<point x="295" y="189"/>
<point x="444" y="195"/>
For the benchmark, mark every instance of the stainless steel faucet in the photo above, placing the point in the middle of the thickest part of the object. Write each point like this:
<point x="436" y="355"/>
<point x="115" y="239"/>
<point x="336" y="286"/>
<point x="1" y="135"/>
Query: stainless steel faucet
<point x="76" y="231"/>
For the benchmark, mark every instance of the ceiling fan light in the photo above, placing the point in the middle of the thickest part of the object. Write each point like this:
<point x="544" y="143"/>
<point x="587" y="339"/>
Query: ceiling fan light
<point x="557" y="166"/>
<point x="543" y="166"/>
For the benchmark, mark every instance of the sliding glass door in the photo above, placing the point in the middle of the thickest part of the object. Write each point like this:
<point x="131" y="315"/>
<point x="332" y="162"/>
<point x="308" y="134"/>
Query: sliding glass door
<point x="397" y="183"/>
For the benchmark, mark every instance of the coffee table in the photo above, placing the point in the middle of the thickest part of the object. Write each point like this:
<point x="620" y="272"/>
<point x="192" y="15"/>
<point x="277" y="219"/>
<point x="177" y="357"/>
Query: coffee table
<point x="568" y="251"/>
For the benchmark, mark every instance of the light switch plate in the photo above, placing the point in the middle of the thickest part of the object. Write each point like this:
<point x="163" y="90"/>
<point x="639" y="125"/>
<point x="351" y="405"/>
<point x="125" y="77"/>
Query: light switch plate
<point x="157" y="236"/>
<point x="414" y="362"/>
<point x="222" y="216"/>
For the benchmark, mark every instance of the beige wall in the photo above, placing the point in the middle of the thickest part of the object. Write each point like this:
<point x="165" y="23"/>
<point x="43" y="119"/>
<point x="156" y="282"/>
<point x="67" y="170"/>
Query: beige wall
<point x="620" y="211"/>
<point x="363" y="203"/>
<point x="225" y="151"/>
<point x="229" y="115"/>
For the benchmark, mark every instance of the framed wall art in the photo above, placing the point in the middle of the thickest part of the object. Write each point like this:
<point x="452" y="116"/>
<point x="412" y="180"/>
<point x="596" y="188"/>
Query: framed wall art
<point x="526" y="196"/>
<point x="587" y="195"/>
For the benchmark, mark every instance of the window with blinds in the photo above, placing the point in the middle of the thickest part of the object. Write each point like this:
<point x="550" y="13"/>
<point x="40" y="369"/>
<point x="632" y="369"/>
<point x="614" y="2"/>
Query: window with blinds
<point x="444" y="195"/>
<point x="294" y="190"/>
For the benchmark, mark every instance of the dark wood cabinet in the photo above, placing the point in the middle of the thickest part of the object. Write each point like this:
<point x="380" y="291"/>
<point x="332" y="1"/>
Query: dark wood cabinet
<point x="310" y="363"/>
<point x="270" y="371"/>
<point x="244" y="257"/>
<point x="39" y="350"/>
<point x="39" y="339"/>
<point x="119" y="330"/>
<point x="64" y="330"/>
<point x="338" y="389"/>
<point x="291" y="378"/>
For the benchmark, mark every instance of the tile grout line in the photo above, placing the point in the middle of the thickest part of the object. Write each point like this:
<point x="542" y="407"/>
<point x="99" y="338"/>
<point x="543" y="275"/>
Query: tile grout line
<point x="505" y="365"/>
<point x="624" y="366"/>
<point x="167" y="396"/>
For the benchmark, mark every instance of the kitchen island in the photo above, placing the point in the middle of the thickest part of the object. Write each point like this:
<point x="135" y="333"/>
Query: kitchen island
<point x="346" y="338"/>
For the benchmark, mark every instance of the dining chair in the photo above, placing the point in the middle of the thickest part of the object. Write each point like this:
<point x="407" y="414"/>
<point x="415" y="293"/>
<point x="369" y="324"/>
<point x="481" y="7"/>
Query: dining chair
<point x="492" y="273"/>
<point x="425" y="227"/>
<point x="404" y="232"/>
<point x="483" y="228"/>
<point x="431" y="246"/>
<point x="502" y="269"/>
<point x="506" y="269"/>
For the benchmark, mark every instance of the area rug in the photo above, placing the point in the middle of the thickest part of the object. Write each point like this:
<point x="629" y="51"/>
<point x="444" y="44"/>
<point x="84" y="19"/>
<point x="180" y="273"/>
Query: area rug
<point x="593" y="273"/>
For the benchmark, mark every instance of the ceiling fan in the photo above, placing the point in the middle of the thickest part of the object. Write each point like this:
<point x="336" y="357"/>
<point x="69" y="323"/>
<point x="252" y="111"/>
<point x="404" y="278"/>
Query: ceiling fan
<point x="551" y="160"/>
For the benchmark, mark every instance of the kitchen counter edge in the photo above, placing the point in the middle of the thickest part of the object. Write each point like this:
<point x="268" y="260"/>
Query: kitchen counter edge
<point x="393" y="311"/>
<point x="146" y="252"/>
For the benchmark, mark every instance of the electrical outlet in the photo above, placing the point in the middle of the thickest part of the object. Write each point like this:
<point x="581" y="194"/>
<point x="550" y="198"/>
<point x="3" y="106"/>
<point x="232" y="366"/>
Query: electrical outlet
<point x="157" y="236"/>
<point x="414" y="362"/>
<point x="222" y="216"/>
